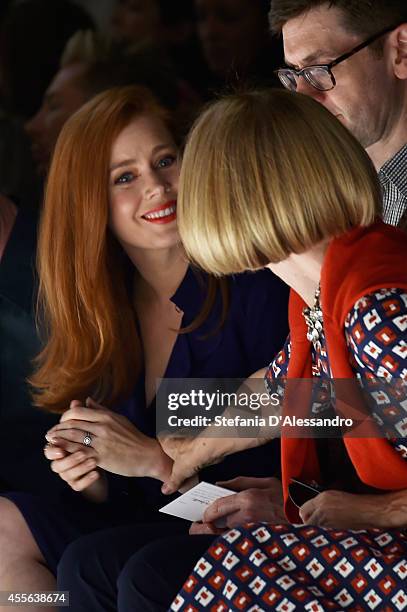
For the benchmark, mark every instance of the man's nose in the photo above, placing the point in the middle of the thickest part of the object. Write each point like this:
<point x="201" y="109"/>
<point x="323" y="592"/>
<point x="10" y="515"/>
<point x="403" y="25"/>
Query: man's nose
<point x="309" y="90"/>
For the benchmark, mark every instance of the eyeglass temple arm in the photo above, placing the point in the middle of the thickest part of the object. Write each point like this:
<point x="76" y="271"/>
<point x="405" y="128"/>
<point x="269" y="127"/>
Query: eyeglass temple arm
<point x="360" y="46"/>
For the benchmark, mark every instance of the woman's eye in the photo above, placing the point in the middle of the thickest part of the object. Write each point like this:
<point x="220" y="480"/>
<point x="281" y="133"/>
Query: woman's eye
<point x="124" y="178"/>
<point x="166" y="161"/>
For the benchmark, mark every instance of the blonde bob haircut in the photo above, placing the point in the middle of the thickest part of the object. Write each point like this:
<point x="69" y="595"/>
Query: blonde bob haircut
<point x="266" y="174"/>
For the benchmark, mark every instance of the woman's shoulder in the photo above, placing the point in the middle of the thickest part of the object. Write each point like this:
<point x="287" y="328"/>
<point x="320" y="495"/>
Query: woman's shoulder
<point x="374" y="331"/>
<point x="257" y="283"/>
<point x="260" y="301"/>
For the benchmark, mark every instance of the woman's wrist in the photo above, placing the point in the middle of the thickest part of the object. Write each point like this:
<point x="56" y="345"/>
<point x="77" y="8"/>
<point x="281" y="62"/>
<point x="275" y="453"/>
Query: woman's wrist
<point x="396" y="510"/>
<point x="387" y="511"/>
<point x="156" y="463"/>
<point x="163" y="466"/>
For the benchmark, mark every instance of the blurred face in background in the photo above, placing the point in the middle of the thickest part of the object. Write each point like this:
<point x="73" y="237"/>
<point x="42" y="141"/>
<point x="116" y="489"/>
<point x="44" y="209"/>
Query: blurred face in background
<point x="230" y="31"/>
<point x="64" y="96"/>
<point x="135" y="20"/>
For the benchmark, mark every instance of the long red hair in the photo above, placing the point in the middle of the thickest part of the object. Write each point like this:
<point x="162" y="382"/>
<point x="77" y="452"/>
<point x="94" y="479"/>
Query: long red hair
<point x="85" y="295"/>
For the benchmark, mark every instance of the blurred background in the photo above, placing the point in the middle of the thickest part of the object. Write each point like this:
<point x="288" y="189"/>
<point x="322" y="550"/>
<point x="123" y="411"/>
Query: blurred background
<point x="56" y="54"/>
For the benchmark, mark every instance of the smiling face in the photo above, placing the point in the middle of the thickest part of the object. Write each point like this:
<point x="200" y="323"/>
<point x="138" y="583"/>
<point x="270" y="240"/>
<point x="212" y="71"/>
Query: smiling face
<point x="143" y="186"/>
<point x="367" y="97"/>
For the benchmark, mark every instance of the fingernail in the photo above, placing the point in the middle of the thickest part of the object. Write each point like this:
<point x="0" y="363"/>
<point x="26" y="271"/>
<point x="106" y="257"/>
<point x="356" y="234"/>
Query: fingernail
<point x="165" y="489"/>
<point x="50" y="439"/>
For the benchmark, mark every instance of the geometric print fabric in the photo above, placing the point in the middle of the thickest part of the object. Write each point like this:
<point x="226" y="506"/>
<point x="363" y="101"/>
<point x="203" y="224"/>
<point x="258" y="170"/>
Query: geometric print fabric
<point x="285" y="568"/>
<point x="376" y="335"/>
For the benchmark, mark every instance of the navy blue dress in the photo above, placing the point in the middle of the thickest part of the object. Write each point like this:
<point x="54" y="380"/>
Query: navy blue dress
<point x="240" y="347"/>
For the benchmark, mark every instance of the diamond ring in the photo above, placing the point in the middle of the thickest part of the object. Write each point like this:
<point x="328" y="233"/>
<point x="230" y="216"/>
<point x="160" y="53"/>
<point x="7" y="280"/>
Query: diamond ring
<point x="87" y="440"/>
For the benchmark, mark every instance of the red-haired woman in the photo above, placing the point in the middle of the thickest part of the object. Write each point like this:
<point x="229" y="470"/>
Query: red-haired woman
<point x="115" y="290"/>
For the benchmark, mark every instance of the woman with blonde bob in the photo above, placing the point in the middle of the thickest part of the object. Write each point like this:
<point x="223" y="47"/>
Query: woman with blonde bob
<point x="115" y="291"/>
<point x="272" y="179"/>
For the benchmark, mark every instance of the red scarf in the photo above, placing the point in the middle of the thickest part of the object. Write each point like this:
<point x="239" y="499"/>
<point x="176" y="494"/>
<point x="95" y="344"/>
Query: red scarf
<point x="356" y="264"/>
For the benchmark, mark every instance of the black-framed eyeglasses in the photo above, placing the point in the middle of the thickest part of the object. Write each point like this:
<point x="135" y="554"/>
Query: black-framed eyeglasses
<point x="320" y="76"/>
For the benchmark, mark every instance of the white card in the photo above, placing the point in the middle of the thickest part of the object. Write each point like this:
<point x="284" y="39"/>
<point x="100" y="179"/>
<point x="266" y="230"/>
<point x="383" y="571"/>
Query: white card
<point x="192" y="504"/>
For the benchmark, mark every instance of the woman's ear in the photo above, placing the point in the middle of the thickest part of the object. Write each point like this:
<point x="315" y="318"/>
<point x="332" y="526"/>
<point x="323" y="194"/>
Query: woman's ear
<point x="400" y="42"/>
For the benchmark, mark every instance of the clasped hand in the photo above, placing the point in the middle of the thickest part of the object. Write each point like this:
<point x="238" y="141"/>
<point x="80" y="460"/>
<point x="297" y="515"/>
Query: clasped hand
<point x="117" y="445"/>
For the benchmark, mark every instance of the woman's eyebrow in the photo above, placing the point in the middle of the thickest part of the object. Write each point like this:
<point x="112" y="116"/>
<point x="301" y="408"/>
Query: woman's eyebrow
<point x="121" y="164"/>
<point x="133" y="160"/>
<point x="167" y="145"/>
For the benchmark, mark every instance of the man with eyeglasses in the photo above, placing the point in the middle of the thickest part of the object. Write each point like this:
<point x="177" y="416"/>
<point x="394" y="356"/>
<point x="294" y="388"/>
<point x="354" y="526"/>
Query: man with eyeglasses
<point x="351" y="56"/>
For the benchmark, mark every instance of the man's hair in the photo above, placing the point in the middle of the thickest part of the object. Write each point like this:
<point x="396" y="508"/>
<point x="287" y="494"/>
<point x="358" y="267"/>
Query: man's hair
<point x="364" y="17"/>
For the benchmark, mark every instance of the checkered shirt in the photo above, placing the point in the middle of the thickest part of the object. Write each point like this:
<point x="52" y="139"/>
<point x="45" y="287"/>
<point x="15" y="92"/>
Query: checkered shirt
<point x="393" y="178"/>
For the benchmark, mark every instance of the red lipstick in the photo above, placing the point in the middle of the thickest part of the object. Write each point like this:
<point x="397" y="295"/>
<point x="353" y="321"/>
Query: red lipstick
<point x="158" y="215"/>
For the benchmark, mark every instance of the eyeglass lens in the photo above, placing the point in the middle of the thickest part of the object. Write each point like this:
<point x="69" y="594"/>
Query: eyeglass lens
<point x="317" y="76"/>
